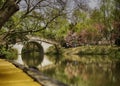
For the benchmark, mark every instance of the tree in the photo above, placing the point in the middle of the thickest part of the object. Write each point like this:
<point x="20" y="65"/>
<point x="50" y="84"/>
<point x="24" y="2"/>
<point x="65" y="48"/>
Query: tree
<point x="8" y="8"/>
<point x="32" y="10"/>
<point x="32" y="16"/>
<point x="107" y="8"/>
<point x="116" y="14"/>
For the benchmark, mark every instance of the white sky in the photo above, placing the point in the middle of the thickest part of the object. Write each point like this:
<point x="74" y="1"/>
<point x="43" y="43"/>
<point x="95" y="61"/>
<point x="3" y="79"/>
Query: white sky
<point x="94" y="3"/>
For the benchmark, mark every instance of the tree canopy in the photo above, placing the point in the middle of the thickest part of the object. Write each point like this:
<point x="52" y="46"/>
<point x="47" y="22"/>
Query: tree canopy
<point x="55" y="19"/>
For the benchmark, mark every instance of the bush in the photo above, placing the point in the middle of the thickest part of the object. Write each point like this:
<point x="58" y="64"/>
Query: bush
<point x="10" y="54"/>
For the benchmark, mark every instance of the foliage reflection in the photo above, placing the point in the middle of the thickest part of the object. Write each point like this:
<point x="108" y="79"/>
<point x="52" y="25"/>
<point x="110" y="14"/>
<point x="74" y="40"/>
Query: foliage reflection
<point x="86" y="73"/>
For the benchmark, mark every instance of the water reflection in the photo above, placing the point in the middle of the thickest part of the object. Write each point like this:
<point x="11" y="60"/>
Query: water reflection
<point x="87" y="71"/>
<point x="81" y="71"/>
<point x="44" y="63"/>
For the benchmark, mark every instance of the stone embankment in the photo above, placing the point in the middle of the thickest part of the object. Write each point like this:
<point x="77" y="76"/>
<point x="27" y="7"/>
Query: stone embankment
<point x="39" y="76"/>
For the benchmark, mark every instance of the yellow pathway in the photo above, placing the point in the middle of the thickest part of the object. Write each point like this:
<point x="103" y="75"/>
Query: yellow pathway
<point x="12" y="76"/>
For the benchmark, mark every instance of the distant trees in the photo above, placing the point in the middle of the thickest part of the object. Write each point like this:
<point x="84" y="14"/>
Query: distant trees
<point x="100" y="26"/>
<point x="116" y="14"/>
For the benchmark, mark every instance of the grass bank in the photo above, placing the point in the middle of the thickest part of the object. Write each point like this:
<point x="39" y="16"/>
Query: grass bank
<point x="87" y="50"/>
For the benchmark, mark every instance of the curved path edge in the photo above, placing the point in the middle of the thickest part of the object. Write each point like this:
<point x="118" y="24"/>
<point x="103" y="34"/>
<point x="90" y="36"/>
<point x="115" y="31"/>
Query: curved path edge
<point x="38" y="76"/>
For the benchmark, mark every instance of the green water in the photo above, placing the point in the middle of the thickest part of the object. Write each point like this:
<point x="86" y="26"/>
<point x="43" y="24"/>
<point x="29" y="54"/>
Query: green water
<point x="84" y="70"/>
<point x="87" y="71"/>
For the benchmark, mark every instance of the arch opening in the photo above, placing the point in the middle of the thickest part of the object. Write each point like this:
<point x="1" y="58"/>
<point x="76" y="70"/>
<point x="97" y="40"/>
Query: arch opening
<point x="32" y="53"/>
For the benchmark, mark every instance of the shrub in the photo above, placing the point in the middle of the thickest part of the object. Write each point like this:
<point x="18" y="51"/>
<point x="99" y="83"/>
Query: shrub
<point x="8" y="53"/>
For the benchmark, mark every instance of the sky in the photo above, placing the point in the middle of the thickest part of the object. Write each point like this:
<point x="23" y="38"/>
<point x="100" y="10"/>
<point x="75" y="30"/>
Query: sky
<point x="94" y="3"/>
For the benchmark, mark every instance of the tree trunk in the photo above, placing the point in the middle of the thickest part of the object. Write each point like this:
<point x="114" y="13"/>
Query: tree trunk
<point x="7" y="10"/>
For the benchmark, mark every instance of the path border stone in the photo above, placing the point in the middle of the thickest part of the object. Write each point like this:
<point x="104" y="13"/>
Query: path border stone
<point x="38" y="76"/>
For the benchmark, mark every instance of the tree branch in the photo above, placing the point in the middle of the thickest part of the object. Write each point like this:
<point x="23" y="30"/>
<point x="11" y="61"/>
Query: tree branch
<point x="30" y="10"/>
<point x="33" y="30"/>
<point x="7" y="10"/>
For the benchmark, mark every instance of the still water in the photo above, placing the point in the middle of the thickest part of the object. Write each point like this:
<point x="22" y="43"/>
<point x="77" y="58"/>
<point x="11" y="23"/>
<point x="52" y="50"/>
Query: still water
<point x="88" y="71"/>
<point x="83" y="70"/>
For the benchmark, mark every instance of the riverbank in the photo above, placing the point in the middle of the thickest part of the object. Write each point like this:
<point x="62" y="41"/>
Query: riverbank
<point x="87" y="50"/>
<point x="38" y="76"/>
<point x="92" y="50"/>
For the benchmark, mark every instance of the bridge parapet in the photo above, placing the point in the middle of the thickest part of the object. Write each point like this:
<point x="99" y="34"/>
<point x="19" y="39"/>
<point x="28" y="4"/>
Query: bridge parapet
<point x="42" y="40"/>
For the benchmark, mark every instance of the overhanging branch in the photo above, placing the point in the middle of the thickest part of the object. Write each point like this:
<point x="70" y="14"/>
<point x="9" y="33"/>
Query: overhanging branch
<point x="32" y="30"/>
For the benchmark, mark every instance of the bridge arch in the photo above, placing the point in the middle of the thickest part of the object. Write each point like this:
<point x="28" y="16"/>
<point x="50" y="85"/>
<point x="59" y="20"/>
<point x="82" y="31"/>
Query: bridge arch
<point x="20" y="46"/>
<point x="32" y="53"/>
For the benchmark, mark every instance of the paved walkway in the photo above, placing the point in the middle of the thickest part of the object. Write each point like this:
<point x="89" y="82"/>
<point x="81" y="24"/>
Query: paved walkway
<point x="12" y="76"/>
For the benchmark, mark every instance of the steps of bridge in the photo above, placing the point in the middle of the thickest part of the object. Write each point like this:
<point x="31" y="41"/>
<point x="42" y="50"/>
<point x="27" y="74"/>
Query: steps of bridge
<point x="12" y="76"/>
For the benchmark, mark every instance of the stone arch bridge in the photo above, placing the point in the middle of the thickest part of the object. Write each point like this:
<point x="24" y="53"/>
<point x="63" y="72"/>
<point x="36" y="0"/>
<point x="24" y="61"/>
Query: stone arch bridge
<point x="42" y="42"/>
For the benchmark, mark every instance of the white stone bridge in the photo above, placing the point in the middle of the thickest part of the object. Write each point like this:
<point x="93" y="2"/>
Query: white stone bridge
<point x="43" y="42"/>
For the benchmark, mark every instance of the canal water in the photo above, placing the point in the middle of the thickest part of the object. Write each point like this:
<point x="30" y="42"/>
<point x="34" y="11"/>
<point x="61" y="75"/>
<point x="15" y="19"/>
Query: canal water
<point x="80" y="70"/>
<point x="88" y="71"/>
